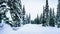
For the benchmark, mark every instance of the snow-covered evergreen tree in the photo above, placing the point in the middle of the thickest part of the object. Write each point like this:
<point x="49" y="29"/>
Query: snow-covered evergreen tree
<point x="52" y="23"/>
<point x="24" y="15"/>
<point x="16" y="12"/>
<point x="58" y="13"/>
<point x="37" y="20"/>
<point x="54" y="19"/>
<point x="28" y="19"/>
<point x="46" y="14"/>
<point x="3" y="10"/>
<point x="41" y="17"/>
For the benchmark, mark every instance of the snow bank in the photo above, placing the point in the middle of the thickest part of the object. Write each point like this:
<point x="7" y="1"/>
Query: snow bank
<point x="30" y="29"/>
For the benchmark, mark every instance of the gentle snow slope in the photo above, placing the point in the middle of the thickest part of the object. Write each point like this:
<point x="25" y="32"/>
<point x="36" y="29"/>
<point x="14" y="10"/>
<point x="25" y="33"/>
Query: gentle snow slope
<point x="30" y="29"/>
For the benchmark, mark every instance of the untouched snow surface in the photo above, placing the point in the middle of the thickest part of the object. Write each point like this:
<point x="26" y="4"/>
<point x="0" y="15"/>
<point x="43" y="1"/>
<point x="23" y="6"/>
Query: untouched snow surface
<point x="30" y="29"/>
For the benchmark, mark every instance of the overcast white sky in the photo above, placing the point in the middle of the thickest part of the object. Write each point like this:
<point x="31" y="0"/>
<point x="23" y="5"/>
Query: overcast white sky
<point x="35" y="7"/>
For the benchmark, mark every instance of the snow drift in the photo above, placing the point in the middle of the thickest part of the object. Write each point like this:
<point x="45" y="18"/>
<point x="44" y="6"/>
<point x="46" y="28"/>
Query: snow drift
<point x="30" y="29"/>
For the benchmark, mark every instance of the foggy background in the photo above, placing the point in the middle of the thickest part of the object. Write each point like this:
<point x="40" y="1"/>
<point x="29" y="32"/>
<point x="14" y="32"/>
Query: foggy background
<point x="35" y="7"/>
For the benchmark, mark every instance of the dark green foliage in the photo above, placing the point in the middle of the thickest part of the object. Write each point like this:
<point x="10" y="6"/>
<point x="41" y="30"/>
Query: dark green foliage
<point x="45" y="17"/>
<point x="58" y="14"/>
<point x="37" y="21"/>
<point x="52" y="22"/>
<point x="0" y="18"/>
<point x="43" y="22"/>
<point x="15" y="12"/>
<point x="9" y="3"/>
<point x="58" y="25"/>
<point x="24" y="21"/>
<point x="52" y="18"/>
<point x="41" y="17"/>
<point x="23" y="10"/>
<point x="32" y="22"/>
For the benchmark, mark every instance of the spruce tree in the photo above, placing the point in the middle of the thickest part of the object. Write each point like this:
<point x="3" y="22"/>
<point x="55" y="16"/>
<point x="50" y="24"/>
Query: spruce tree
<point x="3" y="10"/>
<point x="58" y="14"/>
<point x="52" y="23"/>
<point x="54" y="18"/>
<point x="16" y="11"/>
<point x="37" y="20"/>
<point x="41" y="19"/>
<point x="27" y="19"/>
<point x="23" y="14"/>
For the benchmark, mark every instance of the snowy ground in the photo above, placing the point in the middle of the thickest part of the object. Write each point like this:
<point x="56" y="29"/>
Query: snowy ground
<point x="30" y="29"/>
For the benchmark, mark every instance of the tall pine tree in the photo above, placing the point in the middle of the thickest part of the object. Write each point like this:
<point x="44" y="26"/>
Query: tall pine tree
<point x="16" y="12"/>
<point x="58" y="14"/>
<point x="24" y="15"/>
